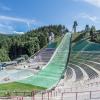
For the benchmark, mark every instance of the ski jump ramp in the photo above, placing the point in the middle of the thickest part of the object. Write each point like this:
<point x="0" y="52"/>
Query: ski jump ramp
<point x="51" y="74"/>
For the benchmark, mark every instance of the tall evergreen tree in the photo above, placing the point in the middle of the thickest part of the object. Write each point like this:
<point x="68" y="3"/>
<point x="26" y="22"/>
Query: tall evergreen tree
<point x="92" y="33"/>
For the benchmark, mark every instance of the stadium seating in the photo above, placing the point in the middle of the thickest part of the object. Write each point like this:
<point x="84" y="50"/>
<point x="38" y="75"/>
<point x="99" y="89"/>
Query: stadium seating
<point x="94" y="65"/>
<point x="44" y="55"/>
<point x="79" y="74"/>
<point x="69" y="73"/>
<point x="91" y="73"/>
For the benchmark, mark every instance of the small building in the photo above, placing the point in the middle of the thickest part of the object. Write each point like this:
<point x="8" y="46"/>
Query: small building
<point x="4" y="64"/>
<point x="51" y="37"/>
<point x="19" y="60"/>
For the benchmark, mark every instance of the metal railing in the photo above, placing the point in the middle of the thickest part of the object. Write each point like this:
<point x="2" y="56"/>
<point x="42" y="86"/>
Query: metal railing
<point x="84" y="95"/>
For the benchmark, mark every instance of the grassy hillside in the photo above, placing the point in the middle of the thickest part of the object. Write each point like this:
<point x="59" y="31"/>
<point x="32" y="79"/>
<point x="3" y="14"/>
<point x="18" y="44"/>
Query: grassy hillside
<point x="17" y="87"/>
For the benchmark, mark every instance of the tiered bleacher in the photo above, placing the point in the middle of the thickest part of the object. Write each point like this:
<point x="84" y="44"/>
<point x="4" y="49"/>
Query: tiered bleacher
<point x="43" y="56"/>
<point x="69" y="73"/>
<point x="79" y="74"/>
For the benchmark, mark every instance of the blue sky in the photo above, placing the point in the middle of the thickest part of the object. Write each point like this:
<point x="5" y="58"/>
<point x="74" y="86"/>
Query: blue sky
<point x="18" y="16"/>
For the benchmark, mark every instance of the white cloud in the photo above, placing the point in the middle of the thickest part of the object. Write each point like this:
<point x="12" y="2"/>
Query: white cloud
<point x="8" y="29"/>
<point x="8" y="23"/>
<point x="16" y="19"/>
<point x="16" y="32"/>
<point x="93" y="2"/>
<point x="92" y="18"/>
<point x="5" y="8"/>
<point x="4" y="28"/>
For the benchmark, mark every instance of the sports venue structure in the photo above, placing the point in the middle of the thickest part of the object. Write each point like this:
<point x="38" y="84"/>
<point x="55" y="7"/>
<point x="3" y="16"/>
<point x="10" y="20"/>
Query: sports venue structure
<point x="64" y="72"/>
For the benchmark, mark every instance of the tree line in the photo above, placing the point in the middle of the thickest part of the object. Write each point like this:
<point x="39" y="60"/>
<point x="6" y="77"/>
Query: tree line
<point x="14" y="46"/>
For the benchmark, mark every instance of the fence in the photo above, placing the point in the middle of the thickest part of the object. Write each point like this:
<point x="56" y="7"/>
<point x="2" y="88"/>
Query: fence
<point x="85" y="95"/>
<point x="59" y="93"/>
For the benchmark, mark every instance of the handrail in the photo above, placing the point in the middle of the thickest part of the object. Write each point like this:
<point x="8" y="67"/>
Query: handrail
<point x="76" y="94"/>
